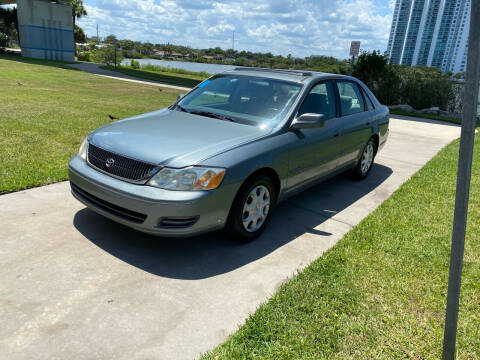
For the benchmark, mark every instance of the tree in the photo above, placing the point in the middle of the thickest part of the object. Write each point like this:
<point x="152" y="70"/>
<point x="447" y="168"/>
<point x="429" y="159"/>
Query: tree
<point x="106" y="55"/>
<point x="9" y="23"/>
<point x="375" y="71"/>
<point x="78" y="11"/>
<point x="126" y="44"/>
<point x="94" y="39"/>
<point x="111" y="39"/>
<point x="78" y="35"/>
<point x="3" y="40"/>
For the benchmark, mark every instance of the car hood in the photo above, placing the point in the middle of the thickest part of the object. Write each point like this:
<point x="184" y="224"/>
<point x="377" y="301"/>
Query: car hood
<point x="173" y="138"/>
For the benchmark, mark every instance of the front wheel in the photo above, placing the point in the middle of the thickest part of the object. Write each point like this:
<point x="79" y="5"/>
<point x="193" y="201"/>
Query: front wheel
<point x="251" y="209"/>
<point x="365" y="163"/>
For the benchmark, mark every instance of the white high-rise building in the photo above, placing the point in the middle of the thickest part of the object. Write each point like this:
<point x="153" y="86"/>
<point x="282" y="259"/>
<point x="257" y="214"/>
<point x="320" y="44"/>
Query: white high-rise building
<point x="430" y="33"/>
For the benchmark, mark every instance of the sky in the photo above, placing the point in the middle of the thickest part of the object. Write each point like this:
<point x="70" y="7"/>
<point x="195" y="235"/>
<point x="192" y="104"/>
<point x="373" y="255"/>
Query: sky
<point x="298" y="27"/>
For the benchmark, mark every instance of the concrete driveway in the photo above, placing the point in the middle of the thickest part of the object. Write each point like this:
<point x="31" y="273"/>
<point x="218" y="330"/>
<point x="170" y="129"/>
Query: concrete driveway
<point x="77" y="286"/>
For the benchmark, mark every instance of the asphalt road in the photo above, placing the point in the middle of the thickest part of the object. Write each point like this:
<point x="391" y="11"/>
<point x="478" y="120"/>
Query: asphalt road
<point x="77" y="286"/>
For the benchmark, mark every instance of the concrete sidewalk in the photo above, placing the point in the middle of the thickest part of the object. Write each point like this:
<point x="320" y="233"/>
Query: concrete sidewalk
<point x="78" y="286"/>
<point x="95" y="69"/>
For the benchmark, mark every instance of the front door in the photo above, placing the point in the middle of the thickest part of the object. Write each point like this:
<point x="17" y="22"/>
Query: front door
<point x="315" y="152"/>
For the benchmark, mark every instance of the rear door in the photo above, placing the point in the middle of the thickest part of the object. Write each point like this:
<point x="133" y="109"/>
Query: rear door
<point x="315" y="152"/>
<point x="355" y="119"/>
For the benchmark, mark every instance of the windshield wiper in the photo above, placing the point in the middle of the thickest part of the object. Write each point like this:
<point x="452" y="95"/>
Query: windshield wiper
<point x="213" y="115"/>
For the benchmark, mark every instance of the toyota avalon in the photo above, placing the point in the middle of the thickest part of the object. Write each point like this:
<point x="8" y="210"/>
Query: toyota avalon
<point x="225" y="154"/>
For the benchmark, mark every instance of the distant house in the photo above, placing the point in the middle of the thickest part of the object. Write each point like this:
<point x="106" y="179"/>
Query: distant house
<point x="208" y="57"/>
<point x="178" y="55"/>
<point x="157" y="52"/>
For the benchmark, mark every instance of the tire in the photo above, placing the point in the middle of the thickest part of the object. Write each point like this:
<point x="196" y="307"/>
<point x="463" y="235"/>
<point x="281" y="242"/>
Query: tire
<point x="365" y="163"/>
<point x="258" y="195"/>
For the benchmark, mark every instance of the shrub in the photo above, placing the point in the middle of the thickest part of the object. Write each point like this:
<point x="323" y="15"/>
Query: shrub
<point x="160" y="68"/>
<point x="106" y="55"/>
<point x="418" y="86"/>
<point x="85" y="56"/>
<point x="134" y="64"/>
<point x="424" y="87"/>
<point x="4" y="40"/>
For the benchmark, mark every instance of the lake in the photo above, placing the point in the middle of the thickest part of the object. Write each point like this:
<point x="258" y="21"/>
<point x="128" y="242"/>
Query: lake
<point x="190" y="66"/>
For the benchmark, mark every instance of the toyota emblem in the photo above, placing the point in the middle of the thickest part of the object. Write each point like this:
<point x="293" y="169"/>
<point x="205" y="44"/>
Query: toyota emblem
<point x="109" y="162"/>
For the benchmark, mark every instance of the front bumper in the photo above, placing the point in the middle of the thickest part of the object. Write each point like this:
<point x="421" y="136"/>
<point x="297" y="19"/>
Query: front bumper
<point x="149" y="209"/>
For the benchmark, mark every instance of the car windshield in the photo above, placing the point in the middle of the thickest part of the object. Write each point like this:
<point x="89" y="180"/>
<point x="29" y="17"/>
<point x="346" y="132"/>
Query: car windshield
<point x="245" y="99"/>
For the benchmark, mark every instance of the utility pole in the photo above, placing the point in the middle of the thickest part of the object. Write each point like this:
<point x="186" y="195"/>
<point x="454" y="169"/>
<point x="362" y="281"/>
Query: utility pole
<point x="98" y="39"/>
<point x="467" y="139"/>
<point x="233" y="41"/>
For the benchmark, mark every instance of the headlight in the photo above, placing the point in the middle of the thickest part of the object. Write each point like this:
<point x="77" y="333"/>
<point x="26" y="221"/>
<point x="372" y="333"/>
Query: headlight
<point x="188" y="179"/>
<point x="82" y="152"/>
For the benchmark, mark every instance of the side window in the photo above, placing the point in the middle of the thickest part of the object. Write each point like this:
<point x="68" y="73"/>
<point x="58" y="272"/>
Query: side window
<point x="320" y="100"/>
<point x="351" y="101"/>
<point x="368" y="101"/>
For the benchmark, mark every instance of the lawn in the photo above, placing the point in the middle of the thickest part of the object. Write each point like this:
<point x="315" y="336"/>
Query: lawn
<point x="45" y="118"/>
<point x="380" y="292"/>
<point x="172" y="78"/>
<point x="427" y="116"/>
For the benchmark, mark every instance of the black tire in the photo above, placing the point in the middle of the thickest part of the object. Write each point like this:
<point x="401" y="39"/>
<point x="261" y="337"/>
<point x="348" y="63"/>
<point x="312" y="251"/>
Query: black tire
<point x="235" y="226"/>
<point x="360" y="172"/>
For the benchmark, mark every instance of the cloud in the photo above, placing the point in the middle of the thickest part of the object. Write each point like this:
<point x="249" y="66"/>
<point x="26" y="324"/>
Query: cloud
<point x="297" y="27"/>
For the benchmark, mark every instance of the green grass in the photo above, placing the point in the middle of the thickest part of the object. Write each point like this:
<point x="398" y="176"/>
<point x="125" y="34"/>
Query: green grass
<point x="44" y="120"/>
<point x="167" y="69"/>
<point x="172" y="78"/>
<point x="427" y="116"/>
<point x="380" y="292"/>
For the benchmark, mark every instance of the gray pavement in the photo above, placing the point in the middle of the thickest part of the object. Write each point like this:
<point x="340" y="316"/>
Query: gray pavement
<point x="95" y="69"/>
<point x="77" y="286"/>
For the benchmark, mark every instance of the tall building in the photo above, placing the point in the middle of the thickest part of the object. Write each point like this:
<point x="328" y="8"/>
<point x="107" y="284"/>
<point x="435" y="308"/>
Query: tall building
<point x="430" y="33"/>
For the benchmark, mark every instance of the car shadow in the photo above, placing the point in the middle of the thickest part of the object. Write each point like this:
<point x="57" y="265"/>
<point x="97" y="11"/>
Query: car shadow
<point x="213" y="254"/>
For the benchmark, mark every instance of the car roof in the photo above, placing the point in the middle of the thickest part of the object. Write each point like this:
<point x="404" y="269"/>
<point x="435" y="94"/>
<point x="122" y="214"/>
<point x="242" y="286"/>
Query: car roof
<point x="300" y="76"/>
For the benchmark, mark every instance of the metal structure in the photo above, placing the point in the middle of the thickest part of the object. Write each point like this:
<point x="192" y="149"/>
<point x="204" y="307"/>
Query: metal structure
<point x="45" y="29"/>
<point x="469" y="120"/>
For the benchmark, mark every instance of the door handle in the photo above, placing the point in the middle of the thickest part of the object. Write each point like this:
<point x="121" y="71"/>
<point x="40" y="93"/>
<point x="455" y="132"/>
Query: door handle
<point x="337" y="134"/>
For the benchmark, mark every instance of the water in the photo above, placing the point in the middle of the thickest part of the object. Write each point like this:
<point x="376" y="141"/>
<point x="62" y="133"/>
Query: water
<point x="190" y="66"/>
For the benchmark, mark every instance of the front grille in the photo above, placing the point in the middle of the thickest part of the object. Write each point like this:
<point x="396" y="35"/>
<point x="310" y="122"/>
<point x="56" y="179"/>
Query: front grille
<point x="116" y="210"/>
<point x="118" y="165"/>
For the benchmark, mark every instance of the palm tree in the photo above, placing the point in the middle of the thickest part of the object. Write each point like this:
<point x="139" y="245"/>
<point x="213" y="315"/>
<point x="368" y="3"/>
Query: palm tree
<point x="78" y="11"/>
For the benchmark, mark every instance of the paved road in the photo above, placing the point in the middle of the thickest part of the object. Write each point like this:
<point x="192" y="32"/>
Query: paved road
<point x="77" y="286"/>
<point x="96" y="70"/>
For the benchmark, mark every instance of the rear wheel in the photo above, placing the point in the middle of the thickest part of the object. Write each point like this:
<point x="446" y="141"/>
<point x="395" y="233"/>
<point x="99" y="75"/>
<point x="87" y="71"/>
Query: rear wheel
<point x="251" y="209"/>
<point x="365" y="162"/>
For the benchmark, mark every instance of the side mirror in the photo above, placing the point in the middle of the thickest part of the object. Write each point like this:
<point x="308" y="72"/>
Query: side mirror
<point x="180" y="96"/>
<point x="308" y="120"/>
